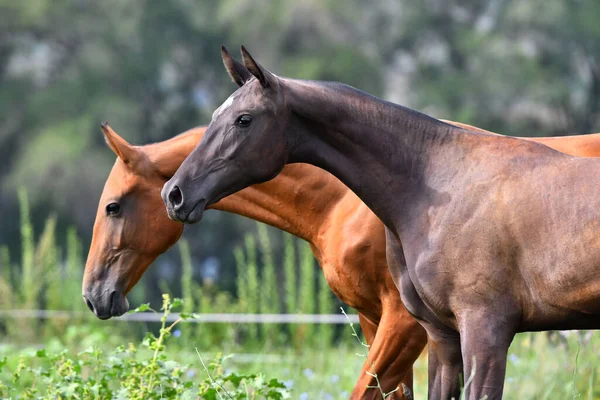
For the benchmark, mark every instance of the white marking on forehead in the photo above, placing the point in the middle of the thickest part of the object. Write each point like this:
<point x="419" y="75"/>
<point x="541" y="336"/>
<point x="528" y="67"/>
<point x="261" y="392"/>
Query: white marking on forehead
<point x="224" y="106"/>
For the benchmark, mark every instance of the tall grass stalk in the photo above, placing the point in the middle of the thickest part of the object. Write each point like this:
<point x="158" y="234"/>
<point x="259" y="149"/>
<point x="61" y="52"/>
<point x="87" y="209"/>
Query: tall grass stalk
<point x="291" y="281"/>
<point x="49" y="271"/>
<point x="252" y="286"/>
<point x="187" y="283"/>
<point x="326" y="331"/>
<point x="241" y="279"/>
<point x="5" y="278"/>
<point x="73" y="270"/>
<point x="187" y="276"/>
<point x="372" y="373"/>
<point x="269" y="298"/>
<point x="307" y="292"/>
<point x="289" y="268"/>
<point x="5" y="268"/>
<point x="62" y="280"/>
<point x="165" y="332"/>
<point x="463" y="392"/>
<point x="204" y="295"/>
<point x="29" y="284"/>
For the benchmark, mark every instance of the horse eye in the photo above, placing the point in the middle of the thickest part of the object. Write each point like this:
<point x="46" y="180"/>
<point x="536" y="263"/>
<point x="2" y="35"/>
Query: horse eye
<point x="244" y="120"/>
<point x="113" y="209"/>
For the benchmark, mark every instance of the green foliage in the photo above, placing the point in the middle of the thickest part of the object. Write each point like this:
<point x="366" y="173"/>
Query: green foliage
<point x="525" y="68"/>
<point x="259" y="292"/>
<point x="234" y="386"/>
<point x="127" y="372"/>
<point x="205" y="298"/>
<point x="41" y="280"/>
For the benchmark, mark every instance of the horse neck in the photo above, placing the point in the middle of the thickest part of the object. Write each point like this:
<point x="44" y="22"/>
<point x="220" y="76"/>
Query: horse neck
<point x="382" y="151"/>
<point x="300" y="200"/>
<point x="166" y="157"/>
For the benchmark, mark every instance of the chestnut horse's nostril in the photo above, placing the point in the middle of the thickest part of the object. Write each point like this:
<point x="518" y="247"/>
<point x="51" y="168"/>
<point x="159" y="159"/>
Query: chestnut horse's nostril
<point x="89" y="304"/>
<point x="175" y="197"/>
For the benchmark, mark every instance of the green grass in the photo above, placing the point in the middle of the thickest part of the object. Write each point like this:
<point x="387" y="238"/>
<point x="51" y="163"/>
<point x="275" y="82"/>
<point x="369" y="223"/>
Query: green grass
<point x="317" y="373"/>
<point x="537" y="369"/>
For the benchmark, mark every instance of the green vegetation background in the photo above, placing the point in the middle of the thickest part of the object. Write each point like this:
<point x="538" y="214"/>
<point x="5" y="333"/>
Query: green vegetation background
<point x="153" y="69"/>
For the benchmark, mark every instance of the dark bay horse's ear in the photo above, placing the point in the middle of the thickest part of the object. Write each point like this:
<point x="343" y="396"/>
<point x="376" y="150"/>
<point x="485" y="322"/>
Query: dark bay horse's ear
<point x="126" y="152"/>
<point x="264" y="77"/>
<point x="236" y="70"/>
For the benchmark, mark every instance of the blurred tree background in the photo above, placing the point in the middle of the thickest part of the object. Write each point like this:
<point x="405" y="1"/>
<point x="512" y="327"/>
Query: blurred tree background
<point x="153" y="70"/>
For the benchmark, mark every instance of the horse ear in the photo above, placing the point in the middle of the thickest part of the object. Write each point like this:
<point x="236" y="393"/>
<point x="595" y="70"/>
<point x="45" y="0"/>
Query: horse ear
<point x="126" y="152"/>
<point x="264" y="77"/>
<point x="236" y="70"/>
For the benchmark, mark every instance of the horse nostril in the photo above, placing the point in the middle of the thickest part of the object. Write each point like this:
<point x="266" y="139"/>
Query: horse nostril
<point x="175" y="197"/>
<point x="89" y="304"/>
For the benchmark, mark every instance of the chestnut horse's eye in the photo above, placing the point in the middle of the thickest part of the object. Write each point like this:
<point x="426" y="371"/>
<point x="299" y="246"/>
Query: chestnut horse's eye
<point x="113" y="209"/>
<point x="244" y="120"/>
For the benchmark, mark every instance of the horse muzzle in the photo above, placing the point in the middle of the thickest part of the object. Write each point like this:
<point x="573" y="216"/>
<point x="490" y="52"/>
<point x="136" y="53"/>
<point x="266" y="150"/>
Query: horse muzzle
<point x="179" y="208"/>
<point x="107" y="304"/>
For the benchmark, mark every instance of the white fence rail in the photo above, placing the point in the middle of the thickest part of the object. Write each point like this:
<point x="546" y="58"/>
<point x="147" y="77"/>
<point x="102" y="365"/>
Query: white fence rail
<point x="199" y="318"/>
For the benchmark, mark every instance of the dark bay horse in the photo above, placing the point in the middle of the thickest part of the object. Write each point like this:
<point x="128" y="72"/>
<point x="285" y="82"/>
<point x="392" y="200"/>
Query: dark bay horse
<point x="499" y="234"/>
<point x="132" y="229"/>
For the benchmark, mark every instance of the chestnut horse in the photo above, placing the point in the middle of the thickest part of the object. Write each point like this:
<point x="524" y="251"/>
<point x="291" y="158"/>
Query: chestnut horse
<point x="132" y="229"/>
<point x="345" y="236"/>
<point x="500" y="235"/>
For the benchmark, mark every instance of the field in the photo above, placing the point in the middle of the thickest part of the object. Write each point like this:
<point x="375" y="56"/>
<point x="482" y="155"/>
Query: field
<point x="83" y="357"/>
<point x="537" y="369"/>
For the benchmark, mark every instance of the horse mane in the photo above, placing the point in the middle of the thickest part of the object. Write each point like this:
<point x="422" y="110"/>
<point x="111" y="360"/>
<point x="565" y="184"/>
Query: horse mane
<point x="366" y="98"/>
